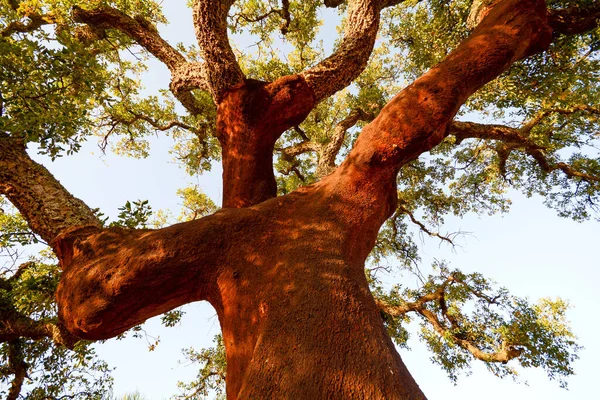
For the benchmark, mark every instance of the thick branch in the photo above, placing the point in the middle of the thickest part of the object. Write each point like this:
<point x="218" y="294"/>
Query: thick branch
<point x="575" y="20"/>
<point x="503" y="133"/>
<point x="300" y="148"/>
<point x="350" y="59"/>
<point x="46" y="205"/>
<point x="185" y="76"/>
<point x="15" y="325"/>
<point x="220" y="65"/>
<point x="419" y="117"/>
<point x="138" y="29"/>
<point x="114" y="279"/>
<point x="571" y="172"/>
<point x="250" y="119"/>
<point x="35" y="22"/>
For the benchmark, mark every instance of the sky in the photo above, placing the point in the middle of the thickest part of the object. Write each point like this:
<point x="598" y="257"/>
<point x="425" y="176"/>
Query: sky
<point x="530" y="250"/>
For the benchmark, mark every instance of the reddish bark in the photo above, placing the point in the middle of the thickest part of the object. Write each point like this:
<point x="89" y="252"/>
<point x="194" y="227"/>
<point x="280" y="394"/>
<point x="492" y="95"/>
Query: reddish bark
<point x="286" y="275"/>
<point x="250" y="119"/>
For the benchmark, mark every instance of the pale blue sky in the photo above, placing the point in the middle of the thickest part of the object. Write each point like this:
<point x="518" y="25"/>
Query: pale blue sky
<point x="530" y="251"/>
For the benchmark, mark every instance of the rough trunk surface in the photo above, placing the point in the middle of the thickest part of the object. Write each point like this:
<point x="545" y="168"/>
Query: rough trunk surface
<point x="250" y="119"/>
<point x="285" y="274"/>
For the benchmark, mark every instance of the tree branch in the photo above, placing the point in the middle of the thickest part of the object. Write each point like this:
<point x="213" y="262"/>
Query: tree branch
<point x="155" y="124"/>
<point x="575" y="20"/>
<point x="504" y="354"/>
<point x="185" y="76"/>
<point x="117" y="278"/>
<point x="221" y="69"/>
<point x="339" y="69"/>
<point x="418" y="118"/>
<point x="329" y="151"/>
<point x="35" y="22"/>
<point x="137" y="28"/>
<point x="332" y="3"/>
<point x="49" y="209"/>
<point x="18" y="367"/>
<point x="506" y="134"/>
<point x="283" y="12"/>
<point x="515" y="138"/>
<point x="16" y="325"/>
<point x="297" y="149"/>
<point x="422" y="226"/>
<point x="529" y="125"/>
<point x="568" y="170"/>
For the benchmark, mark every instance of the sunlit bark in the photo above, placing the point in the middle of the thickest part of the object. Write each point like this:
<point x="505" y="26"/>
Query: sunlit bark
<point x="285" y="275"/>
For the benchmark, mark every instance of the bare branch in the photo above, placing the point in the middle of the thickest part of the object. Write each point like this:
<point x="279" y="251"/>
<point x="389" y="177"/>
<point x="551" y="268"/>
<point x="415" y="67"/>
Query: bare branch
<point x="529" y="125"/>
<point x="419" y="117"/>
<point x="503" y="133"/>
<point x="283" y="12"/>
<point x="222" y="71"/>
<point x="514" y="138"/>
<point x="422" y="226"/>
<point x="155" y="124"/>
<point x="327" y="152"/>
<point x="300" y="148"/>
<point x="543" y="162"/>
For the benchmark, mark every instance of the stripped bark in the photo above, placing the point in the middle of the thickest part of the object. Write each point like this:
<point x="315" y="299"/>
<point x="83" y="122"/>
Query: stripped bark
<point x="250" y="119"/>
<point x="285" y="275"/>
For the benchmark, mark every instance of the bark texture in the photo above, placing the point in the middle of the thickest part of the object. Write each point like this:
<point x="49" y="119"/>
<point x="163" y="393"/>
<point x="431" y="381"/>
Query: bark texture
<point x="250" y="119"/>
<point x="47" y="206"/>
<point x="285" y="275"/>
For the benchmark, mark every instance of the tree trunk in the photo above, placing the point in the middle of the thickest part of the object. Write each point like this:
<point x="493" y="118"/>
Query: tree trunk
<point x="297" y="315"/>
<point x="250" y="119"/>
<point x="286" y="275"/>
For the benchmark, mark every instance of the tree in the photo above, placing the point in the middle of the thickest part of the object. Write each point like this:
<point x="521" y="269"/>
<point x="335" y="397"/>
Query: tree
<point x="286" y="274"/>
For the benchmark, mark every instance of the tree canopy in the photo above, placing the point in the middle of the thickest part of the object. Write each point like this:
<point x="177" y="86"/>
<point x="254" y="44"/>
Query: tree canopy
<point x="72" y="71"/>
